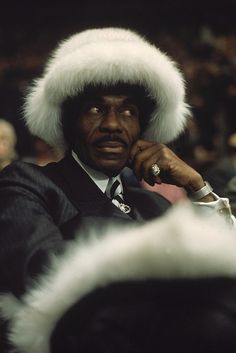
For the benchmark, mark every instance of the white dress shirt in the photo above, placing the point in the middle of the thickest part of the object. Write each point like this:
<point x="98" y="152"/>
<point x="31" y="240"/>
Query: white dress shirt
<point x="99" y="178"/>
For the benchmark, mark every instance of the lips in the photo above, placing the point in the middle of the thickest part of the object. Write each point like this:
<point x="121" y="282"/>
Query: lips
<point x="111" y="146"/>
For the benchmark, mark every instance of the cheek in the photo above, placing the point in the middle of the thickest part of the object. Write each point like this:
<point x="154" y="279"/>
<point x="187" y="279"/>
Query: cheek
<point x="4" y="146"/>
<point x="84" y="130"/>
<point x="134" y="130"/>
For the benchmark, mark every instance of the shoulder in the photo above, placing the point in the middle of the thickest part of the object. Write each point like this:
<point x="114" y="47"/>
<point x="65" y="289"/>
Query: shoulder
<point x="25" y="185"/>
<point x="22" y="178"/>
<point x="20" y="172"/>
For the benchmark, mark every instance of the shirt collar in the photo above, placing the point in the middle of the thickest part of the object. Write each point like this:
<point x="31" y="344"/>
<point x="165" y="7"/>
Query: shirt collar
<point x="99" y="178"/>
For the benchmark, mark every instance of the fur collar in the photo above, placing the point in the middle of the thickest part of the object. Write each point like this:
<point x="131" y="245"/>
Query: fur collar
<point x="182" y="244"/>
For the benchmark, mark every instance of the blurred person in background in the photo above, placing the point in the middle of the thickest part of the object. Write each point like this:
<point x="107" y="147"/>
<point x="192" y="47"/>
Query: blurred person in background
<point x="43" y="153"/>
<point x="222" y="171"/>
<point x="230" y="192"/>
<point x="230" y="163"/>
<point x="7" y="143"/>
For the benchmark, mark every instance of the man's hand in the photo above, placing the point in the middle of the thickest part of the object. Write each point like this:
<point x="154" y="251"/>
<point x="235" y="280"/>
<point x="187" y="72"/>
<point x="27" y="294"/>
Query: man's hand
<point x="173" y="169"/>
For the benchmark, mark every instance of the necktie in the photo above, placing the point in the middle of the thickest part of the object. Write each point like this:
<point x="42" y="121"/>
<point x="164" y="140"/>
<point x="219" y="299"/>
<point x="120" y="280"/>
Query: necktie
<point x="114" y="192"/>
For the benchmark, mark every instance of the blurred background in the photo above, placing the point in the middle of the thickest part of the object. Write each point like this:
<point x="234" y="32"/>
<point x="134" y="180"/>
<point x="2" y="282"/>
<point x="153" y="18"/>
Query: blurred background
<point x="200" y="36"/>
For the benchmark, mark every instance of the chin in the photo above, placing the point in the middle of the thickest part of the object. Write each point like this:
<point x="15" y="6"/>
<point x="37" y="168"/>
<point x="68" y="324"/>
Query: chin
<point x="111" y="167"/>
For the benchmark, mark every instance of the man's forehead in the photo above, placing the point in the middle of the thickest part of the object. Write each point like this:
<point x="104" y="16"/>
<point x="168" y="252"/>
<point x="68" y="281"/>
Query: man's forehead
<point x="110" y="99"/>
<point x="121" y="93"/>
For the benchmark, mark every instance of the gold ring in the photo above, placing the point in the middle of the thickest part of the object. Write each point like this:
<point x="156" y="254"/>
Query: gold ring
<point x="155" y="170"/>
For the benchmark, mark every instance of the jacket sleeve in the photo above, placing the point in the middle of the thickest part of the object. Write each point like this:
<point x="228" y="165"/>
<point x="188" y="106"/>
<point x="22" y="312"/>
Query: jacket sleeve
<point x="28" y="232"/>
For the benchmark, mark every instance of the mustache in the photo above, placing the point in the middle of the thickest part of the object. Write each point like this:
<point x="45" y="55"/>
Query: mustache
<point x="111" y="137"/>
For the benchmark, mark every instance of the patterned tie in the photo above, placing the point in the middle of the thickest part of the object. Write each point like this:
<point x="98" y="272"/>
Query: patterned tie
<point x="114" y="192"/>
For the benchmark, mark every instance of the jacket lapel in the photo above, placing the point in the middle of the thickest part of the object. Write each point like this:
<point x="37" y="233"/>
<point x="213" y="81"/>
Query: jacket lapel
<point x="82" y="191"/>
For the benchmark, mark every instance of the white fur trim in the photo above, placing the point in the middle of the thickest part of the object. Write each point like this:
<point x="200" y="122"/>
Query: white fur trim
<point x="107" y="56"/>
<point x="179" y="245"/>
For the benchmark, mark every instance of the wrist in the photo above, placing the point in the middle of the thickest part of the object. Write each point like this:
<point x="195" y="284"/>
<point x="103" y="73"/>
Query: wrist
<point x="195" y="184"/>
<point x="203" y="194"/>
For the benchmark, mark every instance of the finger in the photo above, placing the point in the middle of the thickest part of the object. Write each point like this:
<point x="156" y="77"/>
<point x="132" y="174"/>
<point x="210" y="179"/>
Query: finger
<point x="158" y="180"/>
<point x="139" y="146"/>
<point x="143" y="161"/>
<point x="147" y="171"/>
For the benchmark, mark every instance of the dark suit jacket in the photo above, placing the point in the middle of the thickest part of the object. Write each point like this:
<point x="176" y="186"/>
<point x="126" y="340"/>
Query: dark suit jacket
<point x="42" y="207"/>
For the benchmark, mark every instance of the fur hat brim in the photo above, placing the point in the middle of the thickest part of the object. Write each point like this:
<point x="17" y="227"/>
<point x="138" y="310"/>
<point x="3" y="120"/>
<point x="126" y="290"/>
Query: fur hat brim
<point x="107" y="56"/>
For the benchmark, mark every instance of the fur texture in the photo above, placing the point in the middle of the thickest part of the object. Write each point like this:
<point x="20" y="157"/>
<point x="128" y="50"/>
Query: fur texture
<point x="165" y="248"/>
<point x="107" y="56"/>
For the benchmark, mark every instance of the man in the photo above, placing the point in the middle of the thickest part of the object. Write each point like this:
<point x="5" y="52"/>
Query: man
<point x="109" y="99"/>
<point x="224" y="169"/>
<point x="7" y="143"/>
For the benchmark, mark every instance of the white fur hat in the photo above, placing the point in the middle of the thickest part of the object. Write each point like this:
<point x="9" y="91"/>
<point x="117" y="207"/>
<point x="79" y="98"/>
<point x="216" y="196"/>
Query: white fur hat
<point x="107" y="56"/>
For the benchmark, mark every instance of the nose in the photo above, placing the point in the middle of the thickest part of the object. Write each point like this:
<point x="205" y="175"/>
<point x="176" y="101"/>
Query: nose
<point x="111" y="122"/>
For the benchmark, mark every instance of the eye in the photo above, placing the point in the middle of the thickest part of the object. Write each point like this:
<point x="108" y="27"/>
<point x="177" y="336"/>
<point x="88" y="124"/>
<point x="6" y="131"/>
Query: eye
<point x="130" y="111"/>
<point x="94" y="110"/>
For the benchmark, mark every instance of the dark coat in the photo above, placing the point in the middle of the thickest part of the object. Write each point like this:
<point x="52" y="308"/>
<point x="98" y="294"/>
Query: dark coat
<point x="42" y="207"/>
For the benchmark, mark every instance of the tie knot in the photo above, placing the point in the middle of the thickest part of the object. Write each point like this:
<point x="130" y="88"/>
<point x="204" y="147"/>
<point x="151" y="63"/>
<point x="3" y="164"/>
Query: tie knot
<point x="114" y="190"/>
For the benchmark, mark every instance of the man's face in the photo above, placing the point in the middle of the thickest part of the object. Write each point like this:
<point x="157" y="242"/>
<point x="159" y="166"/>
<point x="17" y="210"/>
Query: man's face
<point x="5" y="145"/>
<point x="106" y="128"/>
